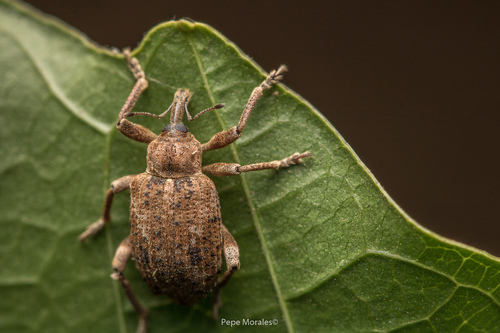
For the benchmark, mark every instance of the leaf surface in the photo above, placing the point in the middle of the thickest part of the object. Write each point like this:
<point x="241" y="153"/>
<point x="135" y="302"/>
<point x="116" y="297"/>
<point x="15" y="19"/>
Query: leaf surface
<point x="323" y="248"/>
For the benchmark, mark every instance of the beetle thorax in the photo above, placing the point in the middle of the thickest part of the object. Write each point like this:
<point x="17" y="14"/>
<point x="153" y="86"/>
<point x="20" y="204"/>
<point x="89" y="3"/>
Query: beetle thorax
<point x="174" y="157"/>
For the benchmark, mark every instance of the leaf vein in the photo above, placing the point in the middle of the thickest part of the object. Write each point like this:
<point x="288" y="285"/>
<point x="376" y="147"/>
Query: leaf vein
<point x="395" y="257"/>
<point x="253" y="209"/>
<point x="55" y="89"/>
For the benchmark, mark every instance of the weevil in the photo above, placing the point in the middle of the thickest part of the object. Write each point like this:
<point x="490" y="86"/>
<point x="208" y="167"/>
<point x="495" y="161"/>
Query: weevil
<point x="176" y="233"/>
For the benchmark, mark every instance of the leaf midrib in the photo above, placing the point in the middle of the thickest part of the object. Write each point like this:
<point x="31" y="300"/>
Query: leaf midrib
<point x="55" y="88"/>
<point x="253" y="210"/>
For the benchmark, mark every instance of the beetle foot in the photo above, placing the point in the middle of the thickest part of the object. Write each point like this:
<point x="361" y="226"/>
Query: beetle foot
<point x="92" y="230"/>
<point x="274" y="77"/>
<point x="294" y="159"/>
<point x="134" y="66"/>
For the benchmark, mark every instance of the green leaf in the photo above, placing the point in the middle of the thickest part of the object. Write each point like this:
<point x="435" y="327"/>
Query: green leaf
<point x="323" y="247"/>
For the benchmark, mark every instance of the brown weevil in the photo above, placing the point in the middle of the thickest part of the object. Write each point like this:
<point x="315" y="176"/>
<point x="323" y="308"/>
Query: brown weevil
<point x="176" y="234"/>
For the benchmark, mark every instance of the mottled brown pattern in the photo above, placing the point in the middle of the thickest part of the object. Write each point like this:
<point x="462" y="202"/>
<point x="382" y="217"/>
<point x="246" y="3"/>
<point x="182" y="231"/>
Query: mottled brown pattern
<point x="175" y="233"/>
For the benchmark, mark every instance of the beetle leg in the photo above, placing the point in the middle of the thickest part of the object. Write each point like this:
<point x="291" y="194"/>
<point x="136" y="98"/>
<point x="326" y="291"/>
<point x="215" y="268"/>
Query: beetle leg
<point x="232" y="255"/>
<point x="134" y="131"/>
<point x="122" y="256"/>
<point x="117" y="186"/>
<point x="233" y="169"/>
<point x="222" y="139"/>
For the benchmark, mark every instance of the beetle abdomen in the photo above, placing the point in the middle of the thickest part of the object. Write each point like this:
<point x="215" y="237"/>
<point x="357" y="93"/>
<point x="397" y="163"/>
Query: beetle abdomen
<point x="176" y="235"/>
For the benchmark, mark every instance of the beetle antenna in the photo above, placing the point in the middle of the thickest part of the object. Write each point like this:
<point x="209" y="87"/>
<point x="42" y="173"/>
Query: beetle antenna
<point x="131" y="114"/>
<point x="218" y="106"/>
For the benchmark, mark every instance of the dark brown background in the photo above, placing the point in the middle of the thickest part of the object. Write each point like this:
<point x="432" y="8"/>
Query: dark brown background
<point x="412" y="86"/>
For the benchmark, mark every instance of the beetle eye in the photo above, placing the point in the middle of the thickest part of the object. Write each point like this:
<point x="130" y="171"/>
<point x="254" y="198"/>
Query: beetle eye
<point x="167" y="128"/>
<point x="181" y="128"/>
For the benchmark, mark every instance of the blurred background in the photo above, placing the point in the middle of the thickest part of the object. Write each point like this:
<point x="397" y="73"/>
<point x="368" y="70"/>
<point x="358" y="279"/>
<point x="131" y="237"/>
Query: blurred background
<point x="412" y="86"/>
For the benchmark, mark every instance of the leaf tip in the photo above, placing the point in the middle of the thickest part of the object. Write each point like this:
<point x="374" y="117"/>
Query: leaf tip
<point x="186" y="24"/>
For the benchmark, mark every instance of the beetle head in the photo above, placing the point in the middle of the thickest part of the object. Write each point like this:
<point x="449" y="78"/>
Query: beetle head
<point x="178" y="107"/>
